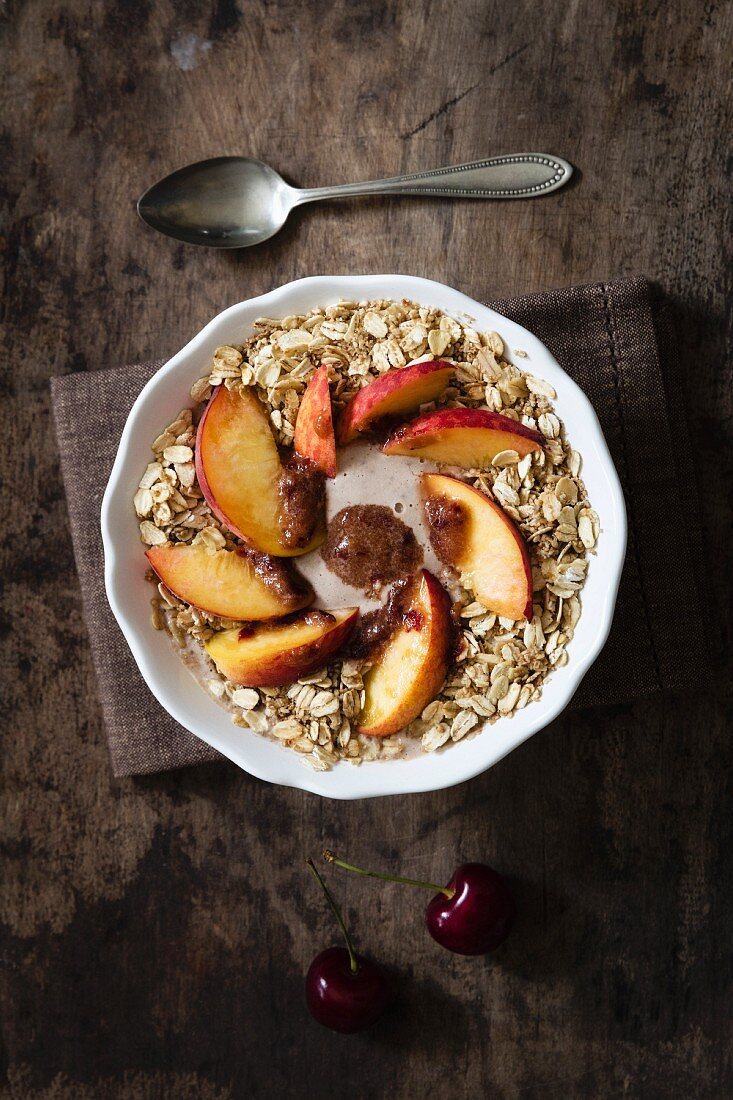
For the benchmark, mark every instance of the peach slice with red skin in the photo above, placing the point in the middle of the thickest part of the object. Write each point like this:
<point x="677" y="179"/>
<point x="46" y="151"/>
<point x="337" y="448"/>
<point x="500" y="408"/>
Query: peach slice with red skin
<point x="314" y="434"/>
<point x="398" y="391"/>
<point x="275" y="654"/>
<point x="235" y="584"/>
<point x="469" y="438"/>
<point x="410" y="670"/>
<point x="473" y="535"/>
<point x="238" y="468"/>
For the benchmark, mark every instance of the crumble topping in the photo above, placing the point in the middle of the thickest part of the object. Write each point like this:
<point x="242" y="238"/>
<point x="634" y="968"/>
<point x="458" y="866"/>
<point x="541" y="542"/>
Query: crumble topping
<point x="368" y="546"/>
<point x="302" y="494"/>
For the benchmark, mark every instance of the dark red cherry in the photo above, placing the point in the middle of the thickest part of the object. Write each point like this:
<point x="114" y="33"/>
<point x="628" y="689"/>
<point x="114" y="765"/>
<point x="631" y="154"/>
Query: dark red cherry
<point x="343" y="990"/>
<point x="341" y="998"/>
<point x="478" y="915"/>
<point x="471" y="915"/>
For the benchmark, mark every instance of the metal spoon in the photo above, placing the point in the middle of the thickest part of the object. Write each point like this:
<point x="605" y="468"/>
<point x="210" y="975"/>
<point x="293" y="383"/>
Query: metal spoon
<point x="234" y="202"/>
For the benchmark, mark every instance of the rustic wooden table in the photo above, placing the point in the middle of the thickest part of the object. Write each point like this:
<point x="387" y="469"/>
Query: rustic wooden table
<point x="157" y="931"/>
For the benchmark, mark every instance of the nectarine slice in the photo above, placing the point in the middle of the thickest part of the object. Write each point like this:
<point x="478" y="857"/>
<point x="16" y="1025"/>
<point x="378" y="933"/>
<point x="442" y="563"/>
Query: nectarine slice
<point x="238" y="468"/>
<point x="409" y="671"/>
<point x="469" y="438"/>
<point x="473" y="535"/>
<point x="235" y="584"/>
<point x="398" y="391"/>
<point x="275" y="654"/>
<point x="314" y="435"/>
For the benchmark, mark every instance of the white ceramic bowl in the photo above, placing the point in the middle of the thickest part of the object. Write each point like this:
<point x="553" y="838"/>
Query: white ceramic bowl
<point x="175" y="687"/>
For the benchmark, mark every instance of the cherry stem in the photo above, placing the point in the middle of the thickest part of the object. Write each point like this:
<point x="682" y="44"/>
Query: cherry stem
<point x="331" y="858"/>
<point x="337" y="914"/>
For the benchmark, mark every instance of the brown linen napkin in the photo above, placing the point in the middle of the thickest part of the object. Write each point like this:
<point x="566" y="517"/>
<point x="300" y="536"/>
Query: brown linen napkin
<point x="616" y="341"/>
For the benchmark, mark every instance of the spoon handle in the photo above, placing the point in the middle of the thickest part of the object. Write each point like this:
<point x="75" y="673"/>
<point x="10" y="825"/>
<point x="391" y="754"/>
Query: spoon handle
<point x="520" y="176"/>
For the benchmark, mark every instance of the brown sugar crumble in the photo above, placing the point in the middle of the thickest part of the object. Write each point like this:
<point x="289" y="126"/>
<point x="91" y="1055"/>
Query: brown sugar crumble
<point x="302" y="494"/>
<point x="446" y="523"/>
<point x="376" y="627"/>
<point x="313" y="617"/>
<point x="368" y="546"/>
<point x="278" y="575"/>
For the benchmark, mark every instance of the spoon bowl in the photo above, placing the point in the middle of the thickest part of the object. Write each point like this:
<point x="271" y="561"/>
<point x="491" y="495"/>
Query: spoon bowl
<point x="226" y="202"/>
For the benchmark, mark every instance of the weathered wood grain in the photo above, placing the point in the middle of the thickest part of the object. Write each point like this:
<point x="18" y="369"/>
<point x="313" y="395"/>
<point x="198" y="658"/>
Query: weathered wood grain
<point x="156" y="931"/>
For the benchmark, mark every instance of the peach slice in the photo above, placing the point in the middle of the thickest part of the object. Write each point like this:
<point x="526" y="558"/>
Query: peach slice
<point x="398" y="391"/>
<point x="274" y="654"/>
<point x="236" y="584"/>
<point x="411" y="668"/>
<point x="469" y="438"/>
<point x="473" y="535"/>
<point x="238" y="468"/>
<point x="314" y="435"/>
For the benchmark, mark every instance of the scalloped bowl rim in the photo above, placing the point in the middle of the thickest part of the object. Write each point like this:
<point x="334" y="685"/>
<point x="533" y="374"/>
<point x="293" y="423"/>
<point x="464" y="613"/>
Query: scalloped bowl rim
<point x="183" y="697"/>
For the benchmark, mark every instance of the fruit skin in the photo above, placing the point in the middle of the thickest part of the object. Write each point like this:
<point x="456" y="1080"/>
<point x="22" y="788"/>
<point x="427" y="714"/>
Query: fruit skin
<point x="413" y="664"/>
<point x="494" y="558"/>
<point x="226" y="582"/>
<point x="272" y="655"/>
<point x="343" y="1000"/>
<point x="469" y="438"/>
<point x="398" y="391"/>
<point x="478" y="917"/>
<point x="238" y="469"/>
<point x="314" y="434"/>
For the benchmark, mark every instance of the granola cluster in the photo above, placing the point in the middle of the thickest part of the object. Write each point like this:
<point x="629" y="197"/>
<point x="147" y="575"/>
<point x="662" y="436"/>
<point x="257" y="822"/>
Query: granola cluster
<point x="502" y="663"/>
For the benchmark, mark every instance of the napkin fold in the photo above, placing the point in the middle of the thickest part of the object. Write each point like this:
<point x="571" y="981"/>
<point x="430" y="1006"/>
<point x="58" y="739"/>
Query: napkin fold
<point x="617" y="341"/>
